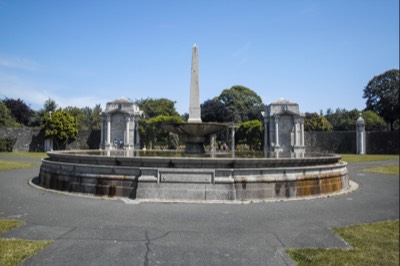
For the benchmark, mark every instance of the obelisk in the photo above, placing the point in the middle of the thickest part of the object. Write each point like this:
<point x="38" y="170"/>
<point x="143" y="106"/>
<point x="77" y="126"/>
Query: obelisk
<point x="194" y="107"/>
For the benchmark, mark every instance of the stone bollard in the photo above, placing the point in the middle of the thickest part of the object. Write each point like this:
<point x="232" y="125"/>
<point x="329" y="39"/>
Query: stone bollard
<point x="360" y="134"/>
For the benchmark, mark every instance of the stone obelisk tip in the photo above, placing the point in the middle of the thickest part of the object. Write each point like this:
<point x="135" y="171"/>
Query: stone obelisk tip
<point x="194" y="107"/>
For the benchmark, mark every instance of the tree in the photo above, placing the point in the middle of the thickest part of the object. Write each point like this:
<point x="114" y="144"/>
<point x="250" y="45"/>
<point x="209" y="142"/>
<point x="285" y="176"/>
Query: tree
<point x="95" y="117"/>
<point x="49" y="106"/>
<point x="251" y="132"/>
<point x="215" y="111"/>
<point x="86" y="118"/>
<point x="242" y="102"/>
<point x="373" y="122"/>
<point x="151" y="129"/>
<point x="316" y="122"/>
<point x="343" y="120"/>
<point x="21" y="112"/>
<point x="6" y="119"/>
<point x="61" y="126"/>
<point x="155" y="107"/>
<point x="382" y="94"/>
<point x="79" y="115"/>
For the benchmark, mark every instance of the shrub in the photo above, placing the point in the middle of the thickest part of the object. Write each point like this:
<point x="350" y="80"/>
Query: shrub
<point x="7" y="144"/>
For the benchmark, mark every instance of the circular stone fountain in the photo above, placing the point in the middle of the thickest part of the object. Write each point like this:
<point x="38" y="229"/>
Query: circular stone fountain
<point x="179" y="177"/>
<point x="193" y="175"/>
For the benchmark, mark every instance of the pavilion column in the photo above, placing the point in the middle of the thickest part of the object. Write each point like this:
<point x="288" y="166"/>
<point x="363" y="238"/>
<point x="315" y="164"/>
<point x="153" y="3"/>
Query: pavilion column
<point x="108" y="144"/>
<point x="296" y="132"/>
<point x="277" y="131"/>
<point x="102" y="133"/>
<point x="127" y="132"/>
<point x="302" y="132"/>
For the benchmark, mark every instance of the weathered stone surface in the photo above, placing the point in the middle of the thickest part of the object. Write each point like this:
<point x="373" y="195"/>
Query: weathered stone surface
<point x="199" y="182"/>
<point x="194" y="107"/>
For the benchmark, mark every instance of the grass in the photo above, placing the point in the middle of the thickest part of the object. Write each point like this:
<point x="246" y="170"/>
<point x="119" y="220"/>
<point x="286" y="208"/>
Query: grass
<point x="387" y="169"/>
<point x="38" y="155"/>
<point x="6" y="225"/>
<point x="372" y="244"/>
<point x="14" y="251"/>
<point x="9" y="165"/>
<point x="357" y="158"/>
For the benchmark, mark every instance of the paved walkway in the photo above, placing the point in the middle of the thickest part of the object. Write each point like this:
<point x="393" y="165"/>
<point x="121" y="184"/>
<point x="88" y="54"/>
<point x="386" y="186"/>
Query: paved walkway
<point x="111" y="232"/>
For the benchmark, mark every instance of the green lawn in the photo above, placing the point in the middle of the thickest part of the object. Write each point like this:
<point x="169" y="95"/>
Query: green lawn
<point x="14" y="251"/>
<point x="355" y="158"/>
<point x="10" y="165"/>
<point x="6" y="225"/>
<point x="38" y="155"/>
<point x="372" y="244"/>
<point x="387" y="169"/>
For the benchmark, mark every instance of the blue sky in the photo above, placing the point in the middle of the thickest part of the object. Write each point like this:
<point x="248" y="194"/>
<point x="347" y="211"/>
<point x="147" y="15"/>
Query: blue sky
<point x="318" y="53"/>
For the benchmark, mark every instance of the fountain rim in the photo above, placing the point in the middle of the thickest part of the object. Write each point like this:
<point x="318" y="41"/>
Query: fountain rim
<point x="79" y="157"/>
<point x="87" y="152"/>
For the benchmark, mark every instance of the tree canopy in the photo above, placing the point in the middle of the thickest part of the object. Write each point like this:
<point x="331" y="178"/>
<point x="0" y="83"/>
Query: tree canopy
<point x="344" y="120"/>
<point x="21" y="112"/>
<point x="152" y="131"/>
<point x="215" y="111"/>
<point x="316" y="122"/>
<point x="61" y="126"/>
<point x="155" y="107"/>
<point x="251" y="133"/>
<point x="6" y="119"/>
<point x="382" y="94"/>
<point x="242" y="102"/>
<point x="86" y="118"/>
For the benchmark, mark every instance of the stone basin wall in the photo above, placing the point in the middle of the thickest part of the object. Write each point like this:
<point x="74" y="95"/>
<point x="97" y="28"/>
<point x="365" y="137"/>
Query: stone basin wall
<point x="192" y="184"/>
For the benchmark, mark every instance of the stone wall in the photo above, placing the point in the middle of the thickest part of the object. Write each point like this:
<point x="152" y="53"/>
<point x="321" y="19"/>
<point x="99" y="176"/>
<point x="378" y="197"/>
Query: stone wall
<point x="330" y="142"/>
<point x="383" y="142"/>
<point x="86" y="140"/>
<point x="345" y="142"/>
<point x="29" y="139"/>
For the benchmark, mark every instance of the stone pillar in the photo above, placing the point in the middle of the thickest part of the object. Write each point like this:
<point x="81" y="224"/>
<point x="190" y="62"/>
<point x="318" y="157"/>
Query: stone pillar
<point x="101" y="146"/>
<point x="276" y="131"/>
<point x="108" y="144"/>
<point x="302" y="132"/>
<point x="127" y="142"/>
<point x="361" y="141"/>
<point x="296" y="132"/>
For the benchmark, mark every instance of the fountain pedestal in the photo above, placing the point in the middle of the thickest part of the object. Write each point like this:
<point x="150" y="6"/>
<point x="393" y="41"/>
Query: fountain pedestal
<point x="194" y="134"/>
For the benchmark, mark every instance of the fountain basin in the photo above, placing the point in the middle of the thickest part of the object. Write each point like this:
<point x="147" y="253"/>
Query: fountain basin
<point x="194" y="178"/>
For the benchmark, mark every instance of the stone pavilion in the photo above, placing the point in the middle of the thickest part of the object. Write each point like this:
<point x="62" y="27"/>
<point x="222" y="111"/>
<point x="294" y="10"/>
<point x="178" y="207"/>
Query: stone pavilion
<point x="284" y="127"/>
<point x="120" y="125"/>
